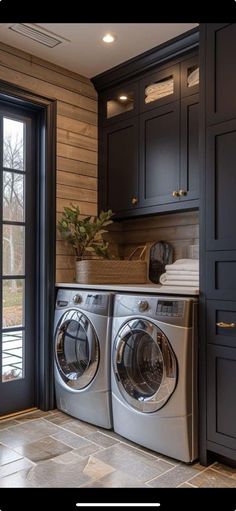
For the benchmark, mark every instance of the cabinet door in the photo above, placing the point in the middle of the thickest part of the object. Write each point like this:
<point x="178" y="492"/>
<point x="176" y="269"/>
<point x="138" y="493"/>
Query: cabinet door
<point x="221" y="187"/>
<point x="220" y="72"/>
<point x="189" y="175"/>
<point x="159" y="155"/>
<point x="119" y="103"/>
<point x="119" y="183"/>
<point x="189" y="76"/>
<point x="159" y="88"/>
<point x="221" y="396"/>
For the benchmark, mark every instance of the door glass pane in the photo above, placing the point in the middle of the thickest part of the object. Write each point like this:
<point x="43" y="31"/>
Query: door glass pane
<point x="13" y="303"/>
<point x="123" y="102"/>
<point x="73" y="350"/>
<point x="13" y="249"/>
<point x="140" y="367"/>
<point x="12" y="356"/>
<point x="13" y="144"/>
<point x="13" y="197"/>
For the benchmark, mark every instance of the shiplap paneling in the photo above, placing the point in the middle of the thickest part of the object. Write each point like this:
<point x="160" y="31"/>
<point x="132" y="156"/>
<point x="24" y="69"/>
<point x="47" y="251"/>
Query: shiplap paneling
<point x="76" y="134"/>
<point x="179" y="229"/>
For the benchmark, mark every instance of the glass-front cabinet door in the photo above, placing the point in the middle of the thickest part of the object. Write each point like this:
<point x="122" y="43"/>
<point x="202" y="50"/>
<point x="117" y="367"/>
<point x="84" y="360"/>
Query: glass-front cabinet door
<point x="120" y="103"/>
<point x="160" y="88"/>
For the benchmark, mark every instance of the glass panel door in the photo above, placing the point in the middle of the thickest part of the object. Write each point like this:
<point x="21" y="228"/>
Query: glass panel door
<point x="17" y="205"/>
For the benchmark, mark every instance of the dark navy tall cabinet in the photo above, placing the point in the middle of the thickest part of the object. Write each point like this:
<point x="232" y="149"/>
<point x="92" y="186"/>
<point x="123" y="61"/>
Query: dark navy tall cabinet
<point x="217" y="369"/>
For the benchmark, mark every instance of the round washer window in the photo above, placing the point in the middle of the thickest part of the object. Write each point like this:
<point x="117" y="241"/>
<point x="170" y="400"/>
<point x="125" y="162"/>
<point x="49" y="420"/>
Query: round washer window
<point x="145" y="365"/>
<point x="77" y="350"/>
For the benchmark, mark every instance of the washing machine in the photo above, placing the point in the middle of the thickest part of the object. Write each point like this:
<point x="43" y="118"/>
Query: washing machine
<point x="154" y="373"/>
<point x="82" y="351"/>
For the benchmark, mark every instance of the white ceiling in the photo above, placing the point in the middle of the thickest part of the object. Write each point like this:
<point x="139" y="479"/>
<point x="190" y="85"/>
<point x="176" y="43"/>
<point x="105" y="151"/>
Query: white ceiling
<point x="85" y="53"/>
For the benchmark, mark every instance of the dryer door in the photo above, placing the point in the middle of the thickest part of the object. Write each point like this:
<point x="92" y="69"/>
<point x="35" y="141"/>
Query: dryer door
<point x="145" y="365"/>
<point x="76" y="349"/>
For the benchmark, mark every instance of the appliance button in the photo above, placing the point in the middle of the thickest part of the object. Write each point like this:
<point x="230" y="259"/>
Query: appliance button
<point x="77" y="299"/>
<point x="143" y="305"/>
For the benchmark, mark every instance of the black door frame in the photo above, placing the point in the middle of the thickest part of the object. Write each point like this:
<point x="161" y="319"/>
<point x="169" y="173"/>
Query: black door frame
<point x="46" y="233"/>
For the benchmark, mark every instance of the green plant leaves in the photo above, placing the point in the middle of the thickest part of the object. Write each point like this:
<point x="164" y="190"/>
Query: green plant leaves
<point x="85" y="234"/>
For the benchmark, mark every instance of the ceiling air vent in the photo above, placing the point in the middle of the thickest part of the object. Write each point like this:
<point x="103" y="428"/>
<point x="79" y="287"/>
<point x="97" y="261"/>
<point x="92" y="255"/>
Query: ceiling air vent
<point x="33" y="31"/>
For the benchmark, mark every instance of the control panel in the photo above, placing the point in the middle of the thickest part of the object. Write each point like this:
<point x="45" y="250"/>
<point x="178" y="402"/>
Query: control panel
<point x="170" y="308"/>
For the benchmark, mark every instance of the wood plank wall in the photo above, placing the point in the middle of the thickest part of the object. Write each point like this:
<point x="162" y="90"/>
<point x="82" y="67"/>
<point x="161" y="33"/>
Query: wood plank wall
<point x="76" y="134"/>
<point x="180" y="229"/>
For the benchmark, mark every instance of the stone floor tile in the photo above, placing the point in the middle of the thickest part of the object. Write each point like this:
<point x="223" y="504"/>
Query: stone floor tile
<point x="71" y="439"/>
<point x="51" y="474"/>
<point x="4" y="424"/>
<point x="87" y="450"/>
<point x="174" y="477"/>
<point x="186" y="485"/>
<point x="212" y="479"/>
<point x="17" y="480"/>
<point x="79" y="427"/>
<point x="7" y="455"/>
<point x="58" y="418"/>
<point x="101" y="439"/>
<point x="96" y="469"/>
<point x="116" y="479"/>
<point x="44" y="449"/>
<point x="132" y="461"/>
<point x="15" y="466"/>
<point x="224" y="469"/>
<point x="68" y="457"/>
<point x="37" y="414"/>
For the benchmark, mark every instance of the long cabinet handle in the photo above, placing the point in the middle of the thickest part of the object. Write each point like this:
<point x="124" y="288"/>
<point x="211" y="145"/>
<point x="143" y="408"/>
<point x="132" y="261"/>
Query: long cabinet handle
<point x="222" y="324"/>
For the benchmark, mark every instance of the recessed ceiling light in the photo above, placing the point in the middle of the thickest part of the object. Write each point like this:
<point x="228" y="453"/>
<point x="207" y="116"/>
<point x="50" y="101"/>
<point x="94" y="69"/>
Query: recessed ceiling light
<point x="123" y="98"/>
<point x="108" y="38"/>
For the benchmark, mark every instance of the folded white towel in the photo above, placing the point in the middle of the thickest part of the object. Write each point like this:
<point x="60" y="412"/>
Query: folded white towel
<point x="184" y="265"/>
<point x="155" y="96"/>
<point x="193" y="78"/>
<point x="165" y="277"/>
<point x="159" y="86"/>
<point x="179" y="283"/>
<point x="191" y="273"/>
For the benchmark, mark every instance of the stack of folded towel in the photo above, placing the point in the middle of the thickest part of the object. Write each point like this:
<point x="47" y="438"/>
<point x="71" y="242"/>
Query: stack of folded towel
<point x="184" y="272"/>
<point x="159" y="90"/>
<point x="193" y="78"/>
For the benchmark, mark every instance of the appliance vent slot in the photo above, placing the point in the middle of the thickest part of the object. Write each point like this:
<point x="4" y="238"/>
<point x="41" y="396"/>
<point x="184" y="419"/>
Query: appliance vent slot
<point x="32" y="31"/>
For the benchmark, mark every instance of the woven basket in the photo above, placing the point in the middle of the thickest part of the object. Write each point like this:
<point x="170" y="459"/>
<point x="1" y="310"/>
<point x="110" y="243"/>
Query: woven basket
<point x="100" y="271"/>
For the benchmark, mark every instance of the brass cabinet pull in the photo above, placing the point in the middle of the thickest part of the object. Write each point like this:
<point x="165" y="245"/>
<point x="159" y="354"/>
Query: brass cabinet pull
<point x="222" y="324"/>
<point x="175" y="193"/>
<point x="182" y="193"/>
<point x="134" y="200"/>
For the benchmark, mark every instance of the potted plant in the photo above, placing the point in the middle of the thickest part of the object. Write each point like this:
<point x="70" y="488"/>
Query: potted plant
<point x="85" y="234"/>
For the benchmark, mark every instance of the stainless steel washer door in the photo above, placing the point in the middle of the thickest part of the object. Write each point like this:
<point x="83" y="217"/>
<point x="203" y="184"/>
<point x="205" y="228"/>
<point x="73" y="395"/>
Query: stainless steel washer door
<point x="145" y="365"/>
<point x="76" y="350"/>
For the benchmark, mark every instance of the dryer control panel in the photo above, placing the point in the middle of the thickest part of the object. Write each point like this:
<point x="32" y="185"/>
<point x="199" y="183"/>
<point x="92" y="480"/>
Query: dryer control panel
<point x="170" y="308"/>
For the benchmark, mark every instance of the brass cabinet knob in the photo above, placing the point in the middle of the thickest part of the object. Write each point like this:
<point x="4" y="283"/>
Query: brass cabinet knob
<point x="222" y="324"/>
<point x="175" y="193"/>
<point x="134" y="200"/>
<point x="182" y="193"/>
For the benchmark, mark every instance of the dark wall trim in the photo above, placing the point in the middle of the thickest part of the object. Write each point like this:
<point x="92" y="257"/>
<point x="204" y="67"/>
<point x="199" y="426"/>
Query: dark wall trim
<point x="145" y="61"/>
<point x="46" y="232"/>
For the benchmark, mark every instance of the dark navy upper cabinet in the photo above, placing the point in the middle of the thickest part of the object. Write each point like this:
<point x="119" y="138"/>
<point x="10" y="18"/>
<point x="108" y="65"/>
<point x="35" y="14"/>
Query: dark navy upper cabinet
<point x="118" y="188"/>
<point x="220" y="72"/>
<point x="159" y="155"/>
<point x="148" y="137"/>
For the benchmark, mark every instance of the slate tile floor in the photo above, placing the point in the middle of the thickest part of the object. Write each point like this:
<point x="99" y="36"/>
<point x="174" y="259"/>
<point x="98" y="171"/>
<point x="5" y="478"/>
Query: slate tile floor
<point x="51" y="449"/>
